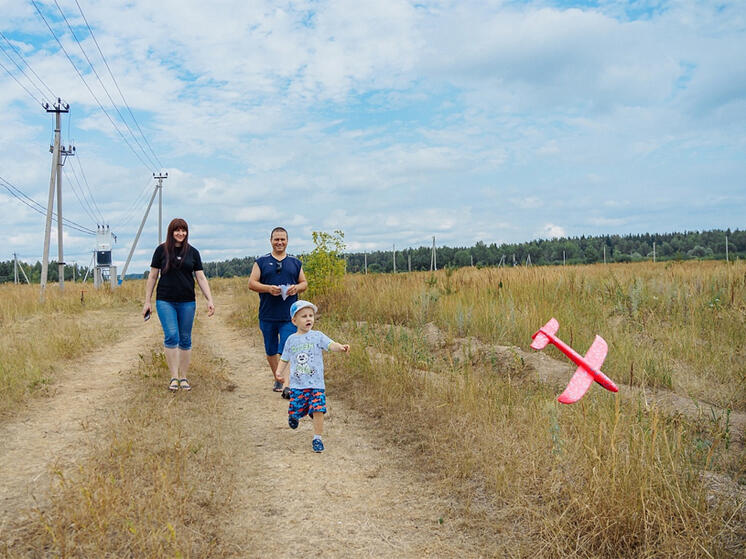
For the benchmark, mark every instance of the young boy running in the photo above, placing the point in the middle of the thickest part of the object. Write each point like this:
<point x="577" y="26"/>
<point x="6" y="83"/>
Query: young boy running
<point x="304" y="386"/>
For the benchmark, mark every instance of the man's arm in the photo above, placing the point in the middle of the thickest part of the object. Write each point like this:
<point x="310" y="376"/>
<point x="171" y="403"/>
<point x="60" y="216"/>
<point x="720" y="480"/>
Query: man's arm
<point x="256" y="285"/>
<point x="299" y="287"/>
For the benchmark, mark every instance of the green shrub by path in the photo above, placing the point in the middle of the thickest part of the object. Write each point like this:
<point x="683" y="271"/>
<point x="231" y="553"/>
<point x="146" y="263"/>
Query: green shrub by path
<point x="324" y="266"/>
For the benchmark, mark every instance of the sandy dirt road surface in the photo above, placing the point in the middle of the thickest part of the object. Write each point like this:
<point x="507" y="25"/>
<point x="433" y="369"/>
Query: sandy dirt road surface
<point x="359" y="498"/>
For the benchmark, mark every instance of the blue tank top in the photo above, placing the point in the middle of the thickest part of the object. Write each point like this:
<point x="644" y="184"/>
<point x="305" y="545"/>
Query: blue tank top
<point x="277" y="272"/>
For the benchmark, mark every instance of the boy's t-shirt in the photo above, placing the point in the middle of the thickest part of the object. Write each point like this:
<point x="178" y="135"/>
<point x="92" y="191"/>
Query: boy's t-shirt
<point x="304" y="353"/>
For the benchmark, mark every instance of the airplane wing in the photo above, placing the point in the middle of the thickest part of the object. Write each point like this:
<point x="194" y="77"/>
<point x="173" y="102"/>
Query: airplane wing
<point x="582" y="379"/>
<point x="540" y="339"/>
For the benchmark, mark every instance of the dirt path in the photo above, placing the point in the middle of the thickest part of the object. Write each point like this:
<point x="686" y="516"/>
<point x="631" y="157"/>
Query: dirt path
<point x="49" y="432"/>
<point x="356" y="499"/>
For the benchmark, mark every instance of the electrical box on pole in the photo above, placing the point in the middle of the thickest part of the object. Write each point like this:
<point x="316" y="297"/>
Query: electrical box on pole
<point x="104" y="270"/>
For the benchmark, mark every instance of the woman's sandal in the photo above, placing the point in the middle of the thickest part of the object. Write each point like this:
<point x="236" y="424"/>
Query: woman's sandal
<point x="173" y="385"/>
<point x="184" y="384"/>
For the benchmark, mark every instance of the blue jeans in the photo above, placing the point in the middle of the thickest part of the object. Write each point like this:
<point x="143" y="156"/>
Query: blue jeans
<point x="275" y="335"/>
<point x="177" y="320"/>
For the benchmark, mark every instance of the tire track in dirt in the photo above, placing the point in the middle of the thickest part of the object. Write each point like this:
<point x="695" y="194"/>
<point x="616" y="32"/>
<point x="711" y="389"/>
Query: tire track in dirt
<point x="356" y="499"/>
<point x="48" y="434"/>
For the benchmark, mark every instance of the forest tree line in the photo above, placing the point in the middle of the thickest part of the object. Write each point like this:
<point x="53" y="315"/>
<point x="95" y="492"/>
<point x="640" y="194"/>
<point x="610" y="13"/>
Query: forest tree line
<point x="541" y="252"/>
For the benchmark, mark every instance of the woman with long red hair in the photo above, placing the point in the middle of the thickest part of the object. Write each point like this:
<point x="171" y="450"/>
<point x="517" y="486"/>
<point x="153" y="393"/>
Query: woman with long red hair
<point x="178" y="263"/>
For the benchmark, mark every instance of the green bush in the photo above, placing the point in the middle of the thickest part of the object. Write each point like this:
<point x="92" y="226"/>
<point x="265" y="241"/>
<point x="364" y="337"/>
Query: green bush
<point x="324" y="266"/>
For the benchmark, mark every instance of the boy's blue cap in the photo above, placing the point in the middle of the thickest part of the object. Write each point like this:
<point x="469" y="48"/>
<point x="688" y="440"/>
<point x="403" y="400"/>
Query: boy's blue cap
<point x="301" y="304"/>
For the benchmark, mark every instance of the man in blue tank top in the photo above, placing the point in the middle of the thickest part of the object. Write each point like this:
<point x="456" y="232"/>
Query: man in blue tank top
<point x="278" y="278"/>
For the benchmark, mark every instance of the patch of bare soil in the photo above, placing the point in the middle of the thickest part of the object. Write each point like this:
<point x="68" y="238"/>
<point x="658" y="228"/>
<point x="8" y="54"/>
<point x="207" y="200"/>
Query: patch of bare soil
<point x="356" y="499"/>
<point x="48" y="434"/>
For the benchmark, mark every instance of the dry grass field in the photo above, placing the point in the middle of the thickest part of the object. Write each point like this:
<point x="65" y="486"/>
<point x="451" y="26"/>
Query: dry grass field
<point x="443" y="422"/>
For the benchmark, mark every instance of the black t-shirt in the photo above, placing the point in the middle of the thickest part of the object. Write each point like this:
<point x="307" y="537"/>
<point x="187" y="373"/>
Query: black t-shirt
<point x="177" y="284"/>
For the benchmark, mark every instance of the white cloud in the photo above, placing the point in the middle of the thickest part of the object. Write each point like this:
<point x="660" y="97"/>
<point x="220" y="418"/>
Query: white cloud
<point x="552" y="231"/>
<point x="394" y="121"/>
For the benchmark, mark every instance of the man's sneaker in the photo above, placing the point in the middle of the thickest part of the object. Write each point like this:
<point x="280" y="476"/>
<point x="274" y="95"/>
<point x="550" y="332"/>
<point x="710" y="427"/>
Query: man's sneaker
<point x="293" y="422"/>
<point x="317" y="445"/>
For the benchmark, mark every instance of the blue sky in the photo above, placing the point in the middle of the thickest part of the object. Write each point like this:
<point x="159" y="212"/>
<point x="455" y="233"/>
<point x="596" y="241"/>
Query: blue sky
<point x="391" y="120"/>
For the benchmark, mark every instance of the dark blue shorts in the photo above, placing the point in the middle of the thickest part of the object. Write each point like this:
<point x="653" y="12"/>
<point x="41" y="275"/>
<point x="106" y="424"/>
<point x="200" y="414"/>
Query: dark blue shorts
<point x="275" y="335"/>
<point x="306" y="401"/>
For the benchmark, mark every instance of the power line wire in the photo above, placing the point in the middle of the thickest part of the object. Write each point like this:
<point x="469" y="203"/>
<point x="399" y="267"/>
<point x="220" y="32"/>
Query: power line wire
<point x="106" y="91"/>
<point x="40" y="101"/>
<point x="84" y="204"/>
<point x="26" y="62"/>
<point x="131" y="212"/>
<point x="144" y="137"/>
<point x="90" y="192"/>
<point x="41" y="15"/>
<point x="19" y="195"/>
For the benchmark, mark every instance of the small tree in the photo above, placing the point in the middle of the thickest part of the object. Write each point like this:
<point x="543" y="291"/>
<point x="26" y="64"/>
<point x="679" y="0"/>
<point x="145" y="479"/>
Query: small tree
<point x="324" y="267"/>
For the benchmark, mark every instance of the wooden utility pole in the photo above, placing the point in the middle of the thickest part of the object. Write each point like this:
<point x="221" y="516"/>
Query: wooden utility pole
<point x="433" y="258"/>
<point x="394" y="248"/>
<point x="365" y="262"/>
<point x="55" y="178"/>
<point x="160" y="178"/>
<point x="142" y="224"/>
<point x="16" y="266"/>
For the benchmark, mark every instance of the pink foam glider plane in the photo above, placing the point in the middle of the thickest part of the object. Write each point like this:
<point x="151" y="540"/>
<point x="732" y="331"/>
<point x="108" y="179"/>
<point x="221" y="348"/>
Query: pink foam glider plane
<point x="588" y="367"/>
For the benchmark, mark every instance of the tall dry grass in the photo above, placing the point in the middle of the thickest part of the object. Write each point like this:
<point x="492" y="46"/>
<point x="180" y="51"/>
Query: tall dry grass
<point x="36" y="336"/>
<point x="158" y="479"/>
<point x="606" y="477"/>
<point x="675" y="325"/>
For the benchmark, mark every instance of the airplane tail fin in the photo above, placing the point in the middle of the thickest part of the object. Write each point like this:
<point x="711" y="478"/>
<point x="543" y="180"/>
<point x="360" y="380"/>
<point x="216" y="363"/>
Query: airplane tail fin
<point x="540" y="338"/>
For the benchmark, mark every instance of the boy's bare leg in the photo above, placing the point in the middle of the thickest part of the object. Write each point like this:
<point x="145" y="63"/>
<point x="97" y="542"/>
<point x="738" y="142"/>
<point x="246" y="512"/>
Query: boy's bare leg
<point x="318" y="423"/>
